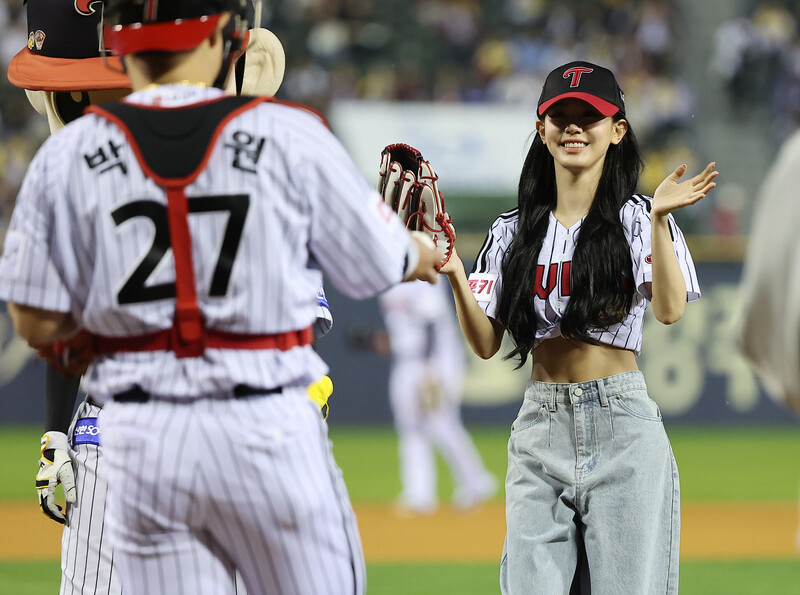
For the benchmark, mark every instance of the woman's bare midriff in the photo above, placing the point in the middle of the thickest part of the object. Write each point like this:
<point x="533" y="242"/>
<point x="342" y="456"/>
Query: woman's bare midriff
<point x="563" y="360"/>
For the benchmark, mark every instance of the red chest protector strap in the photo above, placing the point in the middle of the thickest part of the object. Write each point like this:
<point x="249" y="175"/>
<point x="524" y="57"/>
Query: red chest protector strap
<point x="211" y="339"/>
<point x="174" y="161"/>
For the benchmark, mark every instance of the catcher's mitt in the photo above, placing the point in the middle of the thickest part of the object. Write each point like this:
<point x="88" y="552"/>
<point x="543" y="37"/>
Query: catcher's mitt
<point x="409" y="186"/>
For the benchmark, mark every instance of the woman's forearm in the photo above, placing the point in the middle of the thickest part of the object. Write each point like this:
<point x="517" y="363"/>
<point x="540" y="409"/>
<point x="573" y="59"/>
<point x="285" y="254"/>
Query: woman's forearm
<point x="669" y="286"/>
<point x="483" y="334"/>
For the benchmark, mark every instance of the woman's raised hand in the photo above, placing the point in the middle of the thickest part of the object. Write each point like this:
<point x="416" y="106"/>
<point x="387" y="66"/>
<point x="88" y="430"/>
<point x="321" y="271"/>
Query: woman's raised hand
<point x="672" y="194"/>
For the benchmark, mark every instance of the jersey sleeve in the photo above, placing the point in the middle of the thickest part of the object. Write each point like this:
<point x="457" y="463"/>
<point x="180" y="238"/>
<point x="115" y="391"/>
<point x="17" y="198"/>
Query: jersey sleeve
<point x="486" y="280"/>
<point x="358" y="241"/>
<point x="28" y="274"/>
<point x="637" y="223"/>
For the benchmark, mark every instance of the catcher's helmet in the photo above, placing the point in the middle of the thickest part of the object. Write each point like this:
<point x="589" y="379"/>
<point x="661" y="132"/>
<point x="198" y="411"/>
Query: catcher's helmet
<point x="134" y="26"/>
<point x="63" y="52"/>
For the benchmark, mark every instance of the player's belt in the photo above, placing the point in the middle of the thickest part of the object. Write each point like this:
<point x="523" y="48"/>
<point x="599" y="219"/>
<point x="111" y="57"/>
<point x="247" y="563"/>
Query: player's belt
<point x="168" y="340"/>
<point x="240" y="391"/>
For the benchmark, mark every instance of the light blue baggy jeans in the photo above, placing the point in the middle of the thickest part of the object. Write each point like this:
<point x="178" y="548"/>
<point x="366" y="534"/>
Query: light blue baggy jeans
<point x="590" y="463"/>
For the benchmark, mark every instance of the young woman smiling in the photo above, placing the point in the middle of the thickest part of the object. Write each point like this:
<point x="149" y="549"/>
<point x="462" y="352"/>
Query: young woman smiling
<point x="592" y="491"/>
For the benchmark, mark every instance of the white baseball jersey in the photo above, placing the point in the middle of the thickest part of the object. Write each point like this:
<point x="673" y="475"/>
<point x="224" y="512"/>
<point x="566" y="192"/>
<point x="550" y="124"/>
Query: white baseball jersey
<point x="552" y="282"/>
<point x="278" y="200"/>
<point x="272" y="201"/>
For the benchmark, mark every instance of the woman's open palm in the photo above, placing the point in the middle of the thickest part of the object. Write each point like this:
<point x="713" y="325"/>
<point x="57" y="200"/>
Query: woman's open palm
<point x="672" y="194"/>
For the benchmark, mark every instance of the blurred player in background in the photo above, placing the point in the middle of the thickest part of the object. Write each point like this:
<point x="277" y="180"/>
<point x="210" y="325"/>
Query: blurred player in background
<point x="769" y="321"/>
<point x="768" y="324"/>
<point x="592" y="484"/>
<point x="229" y="385"/>
<point x="425" y="387"/>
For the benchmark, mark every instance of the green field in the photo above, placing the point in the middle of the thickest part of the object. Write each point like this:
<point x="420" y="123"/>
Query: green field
<point x="731" y="464"/>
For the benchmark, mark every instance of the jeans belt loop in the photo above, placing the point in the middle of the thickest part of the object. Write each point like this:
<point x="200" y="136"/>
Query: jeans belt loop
<point x="553" y="396"/>
<point x="601" y="389"/>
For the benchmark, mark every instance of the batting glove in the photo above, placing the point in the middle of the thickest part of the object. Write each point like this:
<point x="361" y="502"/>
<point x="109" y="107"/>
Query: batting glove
<point x="319" y="392"/>
<point x="55" y="467"/>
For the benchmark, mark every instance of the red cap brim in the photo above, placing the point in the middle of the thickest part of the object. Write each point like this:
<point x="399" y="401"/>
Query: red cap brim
<point x="177" y="36"/>
<point x="42" y="73"/>
<point x="601" y="105"/>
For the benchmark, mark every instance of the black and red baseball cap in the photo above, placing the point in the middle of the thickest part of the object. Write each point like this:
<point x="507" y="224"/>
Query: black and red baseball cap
<point x="134" y="26"/>
<point x="63" y="51"/>
<point x="589" y="82"/>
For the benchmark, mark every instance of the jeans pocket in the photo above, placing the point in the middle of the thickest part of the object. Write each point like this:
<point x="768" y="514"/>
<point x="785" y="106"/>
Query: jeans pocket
<point x="529" y="415"/>
<point x="639" y="405"/>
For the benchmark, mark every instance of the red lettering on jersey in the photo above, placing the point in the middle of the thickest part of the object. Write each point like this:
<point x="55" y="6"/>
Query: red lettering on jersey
<point x="85" y="7"/>
<point x="543" y="291"/>
<point x="540" y="290"/>
<point x="481" y="286"/>
<point x="576" y="74"/>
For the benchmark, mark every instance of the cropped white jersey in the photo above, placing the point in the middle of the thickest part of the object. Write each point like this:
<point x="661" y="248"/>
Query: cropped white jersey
<point x="74" y="242"/>
<point x="552" y="282"/>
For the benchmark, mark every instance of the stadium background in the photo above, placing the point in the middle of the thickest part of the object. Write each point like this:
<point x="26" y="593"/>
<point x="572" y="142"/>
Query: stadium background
<point x="718" y="79"/>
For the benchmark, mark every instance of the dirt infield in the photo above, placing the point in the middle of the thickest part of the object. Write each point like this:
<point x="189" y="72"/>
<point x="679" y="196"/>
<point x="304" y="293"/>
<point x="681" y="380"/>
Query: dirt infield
<point x="716" y="531"/>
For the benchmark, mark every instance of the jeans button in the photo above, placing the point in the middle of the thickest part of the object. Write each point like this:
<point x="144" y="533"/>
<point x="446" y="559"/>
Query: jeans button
<point x="578" y="392"/>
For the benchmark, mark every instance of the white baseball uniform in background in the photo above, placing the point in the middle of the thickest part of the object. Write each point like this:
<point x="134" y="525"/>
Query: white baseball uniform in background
<point x="202" y="484"/>
<point x="768" y="323"/>
<point x="425" y="383"/>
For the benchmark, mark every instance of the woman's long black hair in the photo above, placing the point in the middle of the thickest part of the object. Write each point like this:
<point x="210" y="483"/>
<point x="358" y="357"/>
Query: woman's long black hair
<point x="601" y="271"/>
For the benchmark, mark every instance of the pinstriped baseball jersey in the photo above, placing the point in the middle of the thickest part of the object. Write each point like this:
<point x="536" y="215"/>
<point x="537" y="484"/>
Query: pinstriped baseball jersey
<point x="552" y="282"/>
<point x="88" y="236"/>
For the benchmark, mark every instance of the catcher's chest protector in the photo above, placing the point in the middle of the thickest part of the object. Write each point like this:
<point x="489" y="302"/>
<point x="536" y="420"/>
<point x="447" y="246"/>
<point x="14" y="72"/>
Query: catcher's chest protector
<point x="174" y="144"/>
<point x="173" y="147"/>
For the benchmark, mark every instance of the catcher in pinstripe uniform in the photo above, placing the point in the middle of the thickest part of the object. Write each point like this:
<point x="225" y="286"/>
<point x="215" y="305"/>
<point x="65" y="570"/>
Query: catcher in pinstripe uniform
<point x="216" y="461"/>
<point x="62" y="73"/>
